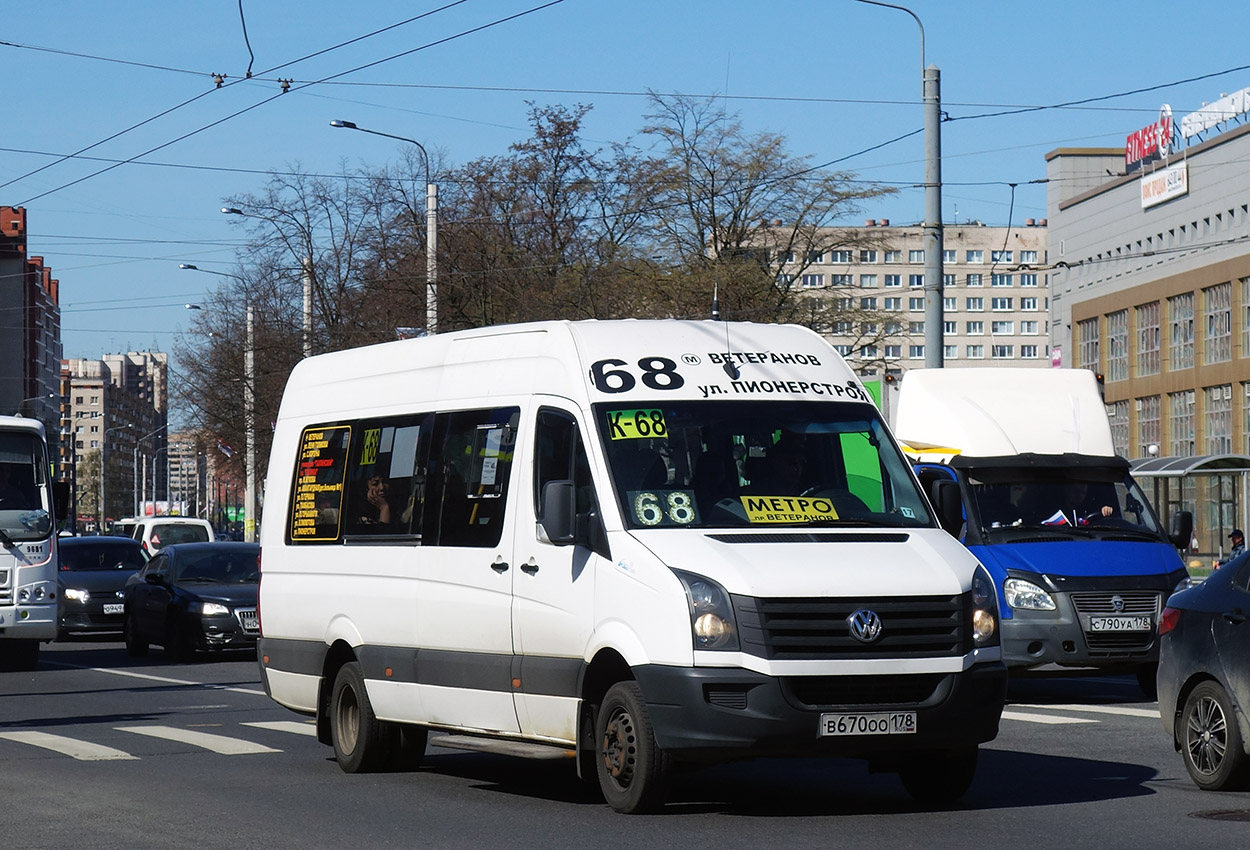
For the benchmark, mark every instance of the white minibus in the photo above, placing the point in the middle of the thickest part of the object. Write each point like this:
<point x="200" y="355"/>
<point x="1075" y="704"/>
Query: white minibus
<point x="642" y="545"/>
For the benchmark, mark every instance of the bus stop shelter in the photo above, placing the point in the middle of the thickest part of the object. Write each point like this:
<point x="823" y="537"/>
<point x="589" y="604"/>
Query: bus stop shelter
<point x="1212" y="487"/>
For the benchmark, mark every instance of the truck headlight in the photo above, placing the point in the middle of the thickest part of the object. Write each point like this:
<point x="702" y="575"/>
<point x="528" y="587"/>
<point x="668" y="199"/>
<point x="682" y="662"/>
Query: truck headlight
<point x="74" y="594"/>
<point x="711" y="614"/>
<point x="984" y="609"/>
<point x="1027" y="596"/>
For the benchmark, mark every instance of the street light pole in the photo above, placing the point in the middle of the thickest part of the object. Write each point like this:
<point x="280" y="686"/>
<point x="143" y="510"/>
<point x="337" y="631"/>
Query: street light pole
<point x="431" y="226"/>
<point x="931" y="91"/>
<point x="135" y="465"/>
<point x="249" y="419"/>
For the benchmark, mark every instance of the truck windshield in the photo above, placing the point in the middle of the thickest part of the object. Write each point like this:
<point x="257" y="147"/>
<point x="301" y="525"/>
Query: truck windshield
<point x="25" y="509"/>
<point x="715" y="464"/>
<point x="1069" y="501"/>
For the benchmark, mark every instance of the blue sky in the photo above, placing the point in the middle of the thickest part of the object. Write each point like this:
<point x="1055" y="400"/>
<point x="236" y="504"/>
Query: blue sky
<point x="836" y="77"/>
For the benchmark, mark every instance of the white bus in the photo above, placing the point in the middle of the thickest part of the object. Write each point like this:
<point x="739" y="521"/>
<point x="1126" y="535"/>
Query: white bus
<point x="28" y="563"/>
<point x="635" y="544"/>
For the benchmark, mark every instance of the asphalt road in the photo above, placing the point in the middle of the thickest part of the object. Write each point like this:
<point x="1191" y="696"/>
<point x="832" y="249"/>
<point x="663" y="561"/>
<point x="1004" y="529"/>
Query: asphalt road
<point x="98" y="750"/>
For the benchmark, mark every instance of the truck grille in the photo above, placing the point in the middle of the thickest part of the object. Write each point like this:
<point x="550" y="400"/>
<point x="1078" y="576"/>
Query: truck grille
<point x="811" y="628"/>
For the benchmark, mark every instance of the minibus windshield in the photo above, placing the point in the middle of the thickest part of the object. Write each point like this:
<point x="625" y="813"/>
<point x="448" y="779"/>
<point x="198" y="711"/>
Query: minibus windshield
<point x="25" y="512"/>
<point x="724" y="464"/>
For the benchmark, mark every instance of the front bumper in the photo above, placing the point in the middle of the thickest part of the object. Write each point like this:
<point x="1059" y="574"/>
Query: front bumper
<point x="33" y="622"/>
<point x="719" y="713"/>
<point x="1065" y="636"/>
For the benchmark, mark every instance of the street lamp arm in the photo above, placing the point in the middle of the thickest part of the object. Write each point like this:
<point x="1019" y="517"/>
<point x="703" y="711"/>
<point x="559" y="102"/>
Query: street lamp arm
<point x="914" y="17"/>
<point x="348" y="125"/>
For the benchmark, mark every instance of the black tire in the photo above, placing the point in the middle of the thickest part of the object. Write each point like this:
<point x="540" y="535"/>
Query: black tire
<point x="1148" y="680"/>
<point x="632" y="768"/>
<point x="939" y="777"/>
<point x="1211" y="743"/>
<point x="136" y="647"/>
<point x="362" y="743"/>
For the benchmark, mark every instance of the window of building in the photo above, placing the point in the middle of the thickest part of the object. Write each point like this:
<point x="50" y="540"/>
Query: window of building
<point x="1218" y="417"/>
<point x="840" y="280"/>
<point x="1181" y="422"/>
<point x="868" y="352"/>
<point x="1028" y="280"/>
<point x="1028" y="352"/>
<point x="893" y="303"/>
<point x="1028" y="328"/>
<point x="973" y="280"/>
<point x="915" y="328"/>
<point x="974" y="352"/>
<point x="1245" y="416"/>
<point x="1148" y="338"/>
<point x="894" y="256"/>
<point x="813" y="281"/>
<point x="893" y="280"/>
<point x="867" y="256"/>
<point x="78" y="399"/>
<point x="844" y="304"/>
<point x="1117" y="346"/>
<point x="915" y="305"/>
<point x="950" y="352"/>
<point x="1000" y="304"/>
<point x="1000" y="280"/>
<point x="844" y="350"/>
<point x="974" y="257"/>
<point x="1245" y="325"/>
<point x="785" y="256"/>
<point x="1028" y="256"/>
<point x="840" y="256"/>
<point x="950" y="328"/>
<point x="1028" y="303"/>
<point x="868" y="328"/>
<point x="868" y="303"/>
<point x="1087" y="342"/>
<point x="892" y="328"/>
<point x="1149" y="421"/>
<point x="815" y="256"/>
<point x="948" y="280"/>
<point x="1217" y="309"/>
<point x="868" y="281"/>
<point x="915" y="256"/>
<point x="1117" y="414"/>
<point x="974" y="328"/>
<point x="915" y="352"/>
<point x="1181" y="322"/>
<point x="1000" y="256"/>
<point x="1002" y="352"/>
<point x="893" y="352"/>
<point x="948" y="255"/>
<point x="974" y="305"/>
<point x="915" y="280"/>
<point x="1002" y="328"/>
<point x="950" y="304"/>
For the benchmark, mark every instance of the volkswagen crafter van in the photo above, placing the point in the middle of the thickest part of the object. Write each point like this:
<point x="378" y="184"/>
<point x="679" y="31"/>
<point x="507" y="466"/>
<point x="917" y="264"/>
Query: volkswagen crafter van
<point x="636" y="544"/>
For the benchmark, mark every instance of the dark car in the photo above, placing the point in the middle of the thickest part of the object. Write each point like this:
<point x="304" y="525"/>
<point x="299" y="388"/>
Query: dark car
<point x="1204" y="677"/>
<point x="194" y="596"/>
<point x="92" y="573"/>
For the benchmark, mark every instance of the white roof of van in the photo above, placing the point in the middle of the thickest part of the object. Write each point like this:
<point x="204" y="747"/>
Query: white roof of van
<point x="991" y="411"/>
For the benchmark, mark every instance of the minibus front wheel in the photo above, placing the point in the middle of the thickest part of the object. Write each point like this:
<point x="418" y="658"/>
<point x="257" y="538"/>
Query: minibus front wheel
<point x="632" y="768"/>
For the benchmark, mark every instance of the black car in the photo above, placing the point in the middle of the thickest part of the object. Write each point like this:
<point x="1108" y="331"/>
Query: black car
<point x="1204" y="677"/>
<point x="194" y="596"/>
<point x="92" y="572"/>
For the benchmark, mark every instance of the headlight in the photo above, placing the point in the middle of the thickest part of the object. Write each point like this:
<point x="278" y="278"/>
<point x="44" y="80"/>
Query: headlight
<point x="1027" y="596"/>
<point x="711" y="614"/>
<point x="73" y="594"/>
<point x="213" y="609"/>
<point x="984" y="609"/>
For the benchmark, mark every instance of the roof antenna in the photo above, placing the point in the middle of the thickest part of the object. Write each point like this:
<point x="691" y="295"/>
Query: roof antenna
<point x="730" y="369"/>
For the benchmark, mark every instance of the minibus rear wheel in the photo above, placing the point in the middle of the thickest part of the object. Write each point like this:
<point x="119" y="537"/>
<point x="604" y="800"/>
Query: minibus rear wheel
<point x="361" y="741"/>
<point x="632" y="768"/>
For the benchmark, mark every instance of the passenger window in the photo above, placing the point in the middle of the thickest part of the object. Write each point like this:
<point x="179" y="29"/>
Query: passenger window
<point x="385" y="487"/>
<point x="473" y="460"/>
<point x="560" y="455"/>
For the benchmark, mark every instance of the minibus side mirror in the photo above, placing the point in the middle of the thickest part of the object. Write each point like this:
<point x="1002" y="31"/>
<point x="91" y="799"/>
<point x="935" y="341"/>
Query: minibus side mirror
<point x="949" y="505"/>
<point x="558" y="512"/>
<point x="60" y="499"/>
<point x="591" y="532"/>
<point x="1181" y="532"/>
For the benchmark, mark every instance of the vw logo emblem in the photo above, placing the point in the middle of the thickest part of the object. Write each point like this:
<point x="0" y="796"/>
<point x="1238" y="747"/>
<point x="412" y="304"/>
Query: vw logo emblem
<point x="1117" y="602"/>
<point x="865" y="625"/>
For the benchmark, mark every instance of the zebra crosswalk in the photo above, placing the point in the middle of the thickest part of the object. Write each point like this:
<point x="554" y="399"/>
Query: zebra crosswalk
<point x="1071" y="713"/>
<point x="215" y="742"/>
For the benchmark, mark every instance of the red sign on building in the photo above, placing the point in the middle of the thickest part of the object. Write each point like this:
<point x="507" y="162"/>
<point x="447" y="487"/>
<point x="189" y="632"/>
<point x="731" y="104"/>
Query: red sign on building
<point x="1150" y="142"/>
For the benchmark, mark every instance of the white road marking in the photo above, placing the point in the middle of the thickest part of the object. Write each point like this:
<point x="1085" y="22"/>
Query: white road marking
<point x="1049" y="719"/>
<point x="81" y="750"/>
<point x="286" y="726"/>
<point x="132" y="674"/>
<point x="1125" y="711"/>
<point x="217" y="743"/>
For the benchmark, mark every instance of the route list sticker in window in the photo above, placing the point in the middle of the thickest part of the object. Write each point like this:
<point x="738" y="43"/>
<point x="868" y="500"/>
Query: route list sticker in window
<point x="318" y="503"/>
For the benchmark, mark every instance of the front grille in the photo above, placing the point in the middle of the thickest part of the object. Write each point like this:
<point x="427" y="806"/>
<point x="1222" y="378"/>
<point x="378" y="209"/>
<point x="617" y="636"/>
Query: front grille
<point x="811" y="628"/>
<point x="247" y="620"/>
<point x="1133" y="602"/>
<point x="829" y="691"/>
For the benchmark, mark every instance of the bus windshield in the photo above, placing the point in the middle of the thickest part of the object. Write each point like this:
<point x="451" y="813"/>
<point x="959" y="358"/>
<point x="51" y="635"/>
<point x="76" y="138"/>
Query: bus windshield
<point x="25" y="498"/>
<point x="717" y="464"/>
<point x="1071" y="498"/>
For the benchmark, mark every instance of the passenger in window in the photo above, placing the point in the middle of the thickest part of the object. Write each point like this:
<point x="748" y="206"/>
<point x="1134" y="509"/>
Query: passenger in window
<point x="376" y="509"/>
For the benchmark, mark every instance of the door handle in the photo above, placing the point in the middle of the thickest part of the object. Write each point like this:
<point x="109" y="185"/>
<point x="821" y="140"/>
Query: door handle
<point x="1236" y="616"/>
<point x="529" y="567"/>
<point x="500" y="565"/>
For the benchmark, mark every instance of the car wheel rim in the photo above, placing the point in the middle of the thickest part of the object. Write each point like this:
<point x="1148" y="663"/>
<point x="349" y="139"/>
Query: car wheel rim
<point x="1206" y="736"/>
<point x="348" y="718"/>
<point x="620" y="750"/>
